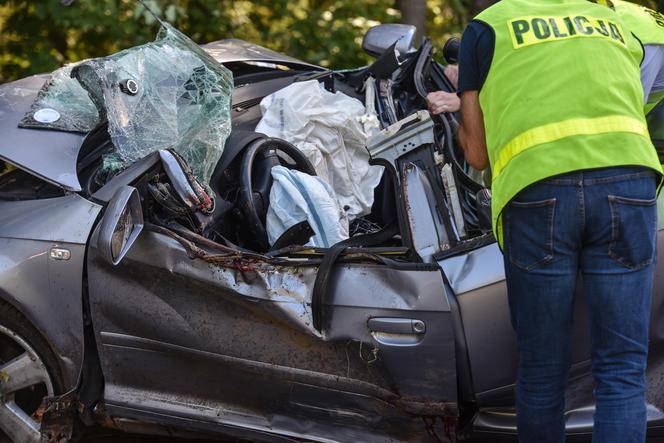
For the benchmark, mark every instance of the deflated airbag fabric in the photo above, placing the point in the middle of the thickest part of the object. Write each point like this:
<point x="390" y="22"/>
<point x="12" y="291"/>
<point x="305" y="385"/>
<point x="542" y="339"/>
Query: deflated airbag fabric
<point x="327" y="128"/>
<point x="296" y="197"/>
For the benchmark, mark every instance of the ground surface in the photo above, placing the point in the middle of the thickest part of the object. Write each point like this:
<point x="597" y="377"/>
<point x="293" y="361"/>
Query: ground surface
<point x="128" y="438"/>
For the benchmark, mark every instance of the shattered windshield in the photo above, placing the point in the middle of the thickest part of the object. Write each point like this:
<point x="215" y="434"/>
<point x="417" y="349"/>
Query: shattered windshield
<point x="168" y="94"/>
<point x="62" y="104"/>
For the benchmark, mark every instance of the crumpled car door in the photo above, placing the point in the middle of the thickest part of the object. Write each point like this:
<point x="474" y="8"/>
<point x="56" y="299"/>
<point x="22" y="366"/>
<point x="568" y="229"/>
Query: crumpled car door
<point x="188" y="328"/>
<point x="229" y="340"/>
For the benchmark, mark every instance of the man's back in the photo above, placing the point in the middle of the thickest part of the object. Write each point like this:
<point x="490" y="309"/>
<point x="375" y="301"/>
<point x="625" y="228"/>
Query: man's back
<point x="561" y="69"/>
<point x="574" y="192"/>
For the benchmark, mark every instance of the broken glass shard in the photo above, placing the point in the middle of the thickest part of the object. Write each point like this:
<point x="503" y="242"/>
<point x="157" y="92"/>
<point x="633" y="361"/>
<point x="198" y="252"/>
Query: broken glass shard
<point x="62" y="96"/>
<point x="168" y="94"/>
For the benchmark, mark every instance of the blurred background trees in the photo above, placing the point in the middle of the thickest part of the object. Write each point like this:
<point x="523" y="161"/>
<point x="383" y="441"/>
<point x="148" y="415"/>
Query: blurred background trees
<point x="40" y="35"/>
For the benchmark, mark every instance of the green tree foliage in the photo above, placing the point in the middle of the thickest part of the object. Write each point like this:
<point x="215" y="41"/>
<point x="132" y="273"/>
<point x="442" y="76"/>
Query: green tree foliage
<point x="41" y="35"/>
<point x="38" y="36"/>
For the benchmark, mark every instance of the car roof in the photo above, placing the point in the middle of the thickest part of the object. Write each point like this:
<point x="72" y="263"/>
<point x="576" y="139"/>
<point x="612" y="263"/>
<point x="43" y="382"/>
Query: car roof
<point x="232" y="50"/>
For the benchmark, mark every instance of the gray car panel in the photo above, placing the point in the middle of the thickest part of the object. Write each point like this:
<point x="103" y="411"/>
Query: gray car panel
<point x="50" y="155"/>
<point x="230" y="338"/>
<point x="66" y="219"/>
<point x="46" y="290"/>
<point x="412" y="331"/>
<point x="492" y="342"/>
<point x="657" y="313"/>
<point x="478" y="268"/>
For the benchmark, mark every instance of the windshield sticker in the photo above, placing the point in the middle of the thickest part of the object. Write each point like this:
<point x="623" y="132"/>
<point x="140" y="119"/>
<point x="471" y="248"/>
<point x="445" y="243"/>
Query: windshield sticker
<point x="47" y="115"/>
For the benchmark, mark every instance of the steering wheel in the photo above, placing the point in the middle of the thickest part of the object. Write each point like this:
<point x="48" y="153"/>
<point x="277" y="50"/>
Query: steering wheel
<point x="247" y="199"/>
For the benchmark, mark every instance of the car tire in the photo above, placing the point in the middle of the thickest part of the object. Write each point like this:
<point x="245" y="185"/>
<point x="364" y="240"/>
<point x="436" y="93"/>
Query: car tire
<point x="28" y="372"/>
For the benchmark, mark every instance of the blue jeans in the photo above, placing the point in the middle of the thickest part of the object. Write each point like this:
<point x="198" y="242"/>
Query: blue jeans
<point x="603" y="224"/>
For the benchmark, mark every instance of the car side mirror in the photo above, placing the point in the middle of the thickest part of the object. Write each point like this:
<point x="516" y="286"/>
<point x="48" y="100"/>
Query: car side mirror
<point x="380" y="38"/>
<point x="121" y="225"/>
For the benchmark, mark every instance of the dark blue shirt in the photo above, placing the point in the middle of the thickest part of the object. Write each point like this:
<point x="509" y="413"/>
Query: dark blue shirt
<point x="475" y="56"/>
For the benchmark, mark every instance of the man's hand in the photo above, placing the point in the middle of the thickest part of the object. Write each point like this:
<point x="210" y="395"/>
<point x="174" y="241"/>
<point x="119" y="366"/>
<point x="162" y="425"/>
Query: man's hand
<point x="471" y="131"/>
<point x="441" y="101"/>
<point x="452" y="74"/>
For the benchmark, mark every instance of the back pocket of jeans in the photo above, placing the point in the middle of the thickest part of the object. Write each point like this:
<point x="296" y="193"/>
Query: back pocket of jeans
<point x="530" y="233"/>
<point x="633" y="230"/>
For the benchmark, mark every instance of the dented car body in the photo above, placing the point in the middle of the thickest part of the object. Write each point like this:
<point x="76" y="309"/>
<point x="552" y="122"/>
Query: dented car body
<point x="157" y="311"/>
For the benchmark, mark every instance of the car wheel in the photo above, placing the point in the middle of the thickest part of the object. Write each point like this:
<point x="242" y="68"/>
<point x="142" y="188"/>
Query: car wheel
<point x="28" y="373"/>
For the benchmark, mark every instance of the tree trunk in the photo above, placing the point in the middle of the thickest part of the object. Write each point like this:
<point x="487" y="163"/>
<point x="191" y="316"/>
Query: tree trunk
<point x="414" y="12"/>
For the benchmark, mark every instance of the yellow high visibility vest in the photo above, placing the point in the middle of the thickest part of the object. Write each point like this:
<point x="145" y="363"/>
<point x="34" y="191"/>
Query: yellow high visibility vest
<point x="563" y="94"/>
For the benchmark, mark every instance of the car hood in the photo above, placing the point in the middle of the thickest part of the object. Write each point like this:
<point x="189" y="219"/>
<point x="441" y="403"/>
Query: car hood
<point x="52" y="155"/>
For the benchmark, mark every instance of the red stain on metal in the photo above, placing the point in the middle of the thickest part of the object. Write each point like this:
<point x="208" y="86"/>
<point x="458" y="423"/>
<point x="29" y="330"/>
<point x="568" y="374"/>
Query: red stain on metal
<point x="449" y="425"/>
<point x="243" y="265"/>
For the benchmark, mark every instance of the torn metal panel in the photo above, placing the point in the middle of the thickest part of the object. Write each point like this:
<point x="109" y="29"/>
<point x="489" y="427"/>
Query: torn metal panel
<point x="478" y="268"/>
<point x="246" y="319"/>
<point x="427" y="229"/>
<point x="287" y="288"/>
<point x="452" y="195"/>
<point x="60" y="417"/>
<point x="230" y="355"/>
<point x="392" y="143"/>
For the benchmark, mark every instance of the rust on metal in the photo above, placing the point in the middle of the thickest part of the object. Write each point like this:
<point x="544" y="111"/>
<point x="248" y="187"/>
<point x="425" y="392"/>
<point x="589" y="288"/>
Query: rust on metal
<point x="59" y="418"/>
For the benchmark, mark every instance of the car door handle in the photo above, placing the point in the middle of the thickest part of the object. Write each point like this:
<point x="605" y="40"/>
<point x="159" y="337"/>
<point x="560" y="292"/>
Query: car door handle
<point x="390" y="325"/>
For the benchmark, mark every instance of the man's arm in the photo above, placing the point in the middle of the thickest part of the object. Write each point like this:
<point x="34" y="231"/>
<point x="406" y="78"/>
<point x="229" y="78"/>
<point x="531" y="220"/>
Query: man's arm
<point x="441" y="101"/>
<point x="652" y="70"/>
<point x="471" y="131"/>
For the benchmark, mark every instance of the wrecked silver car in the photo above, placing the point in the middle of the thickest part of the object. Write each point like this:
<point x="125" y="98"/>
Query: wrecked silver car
<point x="226" y="241"/>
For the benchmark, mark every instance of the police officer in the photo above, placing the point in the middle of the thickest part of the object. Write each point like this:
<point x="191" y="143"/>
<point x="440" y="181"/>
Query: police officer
<point x="648" y="26"/>
<point x="558" y="116"/>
